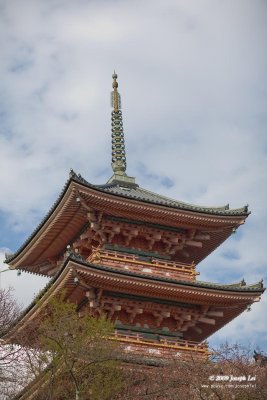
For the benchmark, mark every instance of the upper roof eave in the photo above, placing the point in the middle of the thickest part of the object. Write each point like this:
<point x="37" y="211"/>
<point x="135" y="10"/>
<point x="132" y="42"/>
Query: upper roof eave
<point x="140" y="194"/>
<point x="106" y="189"/>
<point x="11" y="257"/>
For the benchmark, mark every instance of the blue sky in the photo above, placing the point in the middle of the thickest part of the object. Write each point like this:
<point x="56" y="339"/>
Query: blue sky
<point x="192" y="76"/>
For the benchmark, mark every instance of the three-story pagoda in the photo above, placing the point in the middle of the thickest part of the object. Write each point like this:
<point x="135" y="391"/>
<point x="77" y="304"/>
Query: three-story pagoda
<point x="120" y="250"/>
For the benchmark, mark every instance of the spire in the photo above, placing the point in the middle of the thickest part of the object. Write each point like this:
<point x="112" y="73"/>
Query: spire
<point x="118" y="146"/>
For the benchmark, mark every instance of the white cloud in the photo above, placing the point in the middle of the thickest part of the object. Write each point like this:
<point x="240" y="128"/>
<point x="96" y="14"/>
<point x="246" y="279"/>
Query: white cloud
<point x="249" y="329"/>
<point x="192" y="76"/>
<point x="26" y="286"/>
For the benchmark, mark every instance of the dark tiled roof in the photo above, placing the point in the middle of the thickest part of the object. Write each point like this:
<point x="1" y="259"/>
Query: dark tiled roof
<point x="134" y="192"/>
<point x="239" y="286"/>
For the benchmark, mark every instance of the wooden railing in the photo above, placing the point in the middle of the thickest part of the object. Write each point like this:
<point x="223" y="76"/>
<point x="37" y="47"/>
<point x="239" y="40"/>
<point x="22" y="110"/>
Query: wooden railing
<point x="157" y="266"/>
<point x="180" y="344"/>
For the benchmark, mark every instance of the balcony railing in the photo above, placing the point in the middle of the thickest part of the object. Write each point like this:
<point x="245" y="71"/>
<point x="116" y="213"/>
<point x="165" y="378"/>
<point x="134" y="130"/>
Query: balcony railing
<point x="176" y="344"/>
<point x="162" y="268"/>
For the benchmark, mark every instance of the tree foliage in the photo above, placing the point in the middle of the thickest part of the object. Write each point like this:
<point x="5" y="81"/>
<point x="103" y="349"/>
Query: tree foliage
<point x="9" y="354"/>
<point x="9" y="310"/>
<point x="62" y="356"/>
<point x="80" y="360"/>
<point x="230" y="373"/>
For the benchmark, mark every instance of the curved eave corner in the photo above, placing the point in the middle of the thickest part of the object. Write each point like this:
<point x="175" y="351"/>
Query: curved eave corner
<point x="11" y="257"/>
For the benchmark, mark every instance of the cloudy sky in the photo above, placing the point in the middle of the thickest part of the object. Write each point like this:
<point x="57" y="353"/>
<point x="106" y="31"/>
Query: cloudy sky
<point x="192" y="76"/>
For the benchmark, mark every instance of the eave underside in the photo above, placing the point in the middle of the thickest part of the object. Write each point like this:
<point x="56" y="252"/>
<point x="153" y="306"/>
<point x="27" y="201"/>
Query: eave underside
<point x="76" y="278"/>
<point x="69" y="217"/>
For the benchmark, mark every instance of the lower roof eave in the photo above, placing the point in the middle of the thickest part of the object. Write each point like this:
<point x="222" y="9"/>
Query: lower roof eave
<point x="108" y="279"/>
<point x="126" y="282"/>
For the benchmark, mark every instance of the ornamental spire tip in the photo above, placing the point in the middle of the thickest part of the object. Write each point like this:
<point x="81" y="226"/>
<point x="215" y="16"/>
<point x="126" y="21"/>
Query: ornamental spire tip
<point x="118" y="147"/>
<point x="115" y="96"/>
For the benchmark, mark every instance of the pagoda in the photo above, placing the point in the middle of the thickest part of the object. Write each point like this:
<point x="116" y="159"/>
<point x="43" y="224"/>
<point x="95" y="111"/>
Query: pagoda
<point x="125" y="252"/>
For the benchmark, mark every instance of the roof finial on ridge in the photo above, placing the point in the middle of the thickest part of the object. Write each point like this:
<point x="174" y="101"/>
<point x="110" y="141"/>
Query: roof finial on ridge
<point x="118" y="147"/>
<point x="115" y="96"/>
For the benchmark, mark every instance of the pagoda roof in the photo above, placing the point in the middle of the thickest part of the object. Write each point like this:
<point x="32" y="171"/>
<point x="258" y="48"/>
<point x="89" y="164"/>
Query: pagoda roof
<point x="240" y="286"/>
<point x="135" y="192"/>
<point x="130" y="195"/>
<point x="236" y="296"/>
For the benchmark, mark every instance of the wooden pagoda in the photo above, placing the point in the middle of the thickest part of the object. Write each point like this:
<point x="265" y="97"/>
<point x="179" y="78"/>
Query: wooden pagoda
<point x="120" y="250"/>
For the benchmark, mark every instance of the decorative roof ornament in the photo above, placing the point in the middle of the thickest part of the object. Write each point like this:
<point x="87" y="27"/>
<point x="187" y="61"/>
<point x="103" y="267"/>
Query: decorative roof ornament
<point x="118" y="146"/>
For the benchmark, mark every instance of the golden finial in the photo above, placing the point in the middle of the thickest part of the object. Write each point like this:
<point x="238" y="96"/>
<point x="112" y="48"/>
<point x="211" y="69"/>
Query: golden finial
<point x="115" y="96"/>
<point x="115" y="83"/>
